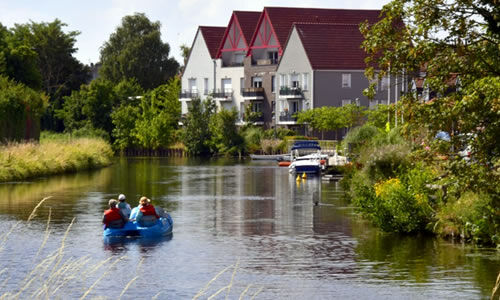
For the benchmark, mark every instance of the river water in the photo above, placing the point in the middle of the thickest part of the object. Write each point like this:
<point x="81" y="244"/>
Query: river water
<point x="240" y="229"/>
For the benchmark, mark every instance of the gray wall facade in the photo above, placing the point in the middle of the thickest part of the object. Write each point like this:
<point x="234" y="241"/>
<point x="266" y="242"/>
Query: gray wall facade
<point x="328" y="90"/>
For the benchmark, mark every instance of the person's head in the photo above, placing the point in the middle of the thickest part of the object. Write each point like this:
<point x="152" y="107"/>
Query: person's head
<point x="121" y="197"/>
<point x="144" y="201"/>
<point x="112" y="203"/>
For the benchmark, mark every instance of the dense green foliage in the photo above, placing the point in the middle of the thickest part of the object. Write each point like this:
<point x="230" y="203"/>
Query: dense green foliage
<point x="60" y="71"/>
<point x="453" y="47"/>
<point x="135" y="50"/>
<point x="160" y="111"/>
<point x="196" y="134"/>
<point x="225" y="136"/>
<point x="331" y="118"/>
<point x="20" y="111"/>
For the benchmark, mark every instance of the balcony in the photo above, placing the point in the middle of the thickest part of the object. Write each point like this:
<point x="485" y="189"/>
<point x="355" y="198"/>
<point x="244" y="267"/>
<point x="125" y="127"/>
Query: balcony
<point x="224" y="95"/>
<point x="289" y="93"/>
<point x="253" y="93"/>
<point x="287" y="117"/>
<point x="188" y="95"/>
<point x="265" y="62"/>
<point x="232" y="64"/>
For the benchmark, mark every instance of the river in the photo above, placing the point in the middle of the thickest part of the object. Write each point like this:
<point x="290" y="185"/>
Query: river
<point x="240" y="229"/>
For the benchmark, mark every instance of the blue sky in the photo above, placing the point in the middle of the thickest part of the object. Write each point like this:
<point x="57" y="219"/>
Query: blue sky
<point x="96" y="20"/>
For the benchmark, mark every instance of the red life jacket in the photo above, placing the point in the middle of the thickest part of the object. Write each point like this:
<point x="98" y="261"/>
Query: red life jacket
<point x="149" y="210"/>
<point x="112" y="214"/>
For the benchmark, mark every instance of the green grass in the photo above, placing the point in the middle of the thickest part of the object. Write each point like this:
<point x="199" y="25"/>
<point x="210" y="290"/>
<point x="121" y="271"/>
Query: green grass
<point x="55" y="154"/>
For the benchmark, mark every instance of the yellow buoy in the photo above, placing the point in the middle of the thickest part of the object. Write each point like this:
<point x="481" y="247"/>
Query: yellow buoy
<point x="304" y="176"/>
<point x="298" y="178"/>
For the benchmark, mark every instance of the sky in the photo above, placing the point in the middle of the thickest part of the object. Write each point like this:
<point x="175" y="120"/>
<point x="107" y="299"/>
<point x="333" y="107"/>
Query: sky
<point x="97" y="20"/>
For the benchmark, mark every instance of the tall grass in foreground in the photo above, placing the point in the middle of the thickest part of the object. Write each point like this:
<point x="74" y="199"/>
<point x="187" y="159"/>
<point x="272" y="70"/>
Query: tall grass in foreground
<point x="59" y="276"/>
<point x="52" y="155"/>
<point x="51" y="274"/>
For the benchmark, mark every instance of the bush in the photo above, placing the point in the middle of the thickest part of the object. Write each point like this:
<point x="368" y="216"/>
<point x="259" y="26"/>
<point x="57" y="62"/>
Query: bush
<point x="252" y="137"/>
<point x="270" y="146"/>
<point x="473" y="217"/>
<point x="20" y="111"/>
<point x="385" y="161"/>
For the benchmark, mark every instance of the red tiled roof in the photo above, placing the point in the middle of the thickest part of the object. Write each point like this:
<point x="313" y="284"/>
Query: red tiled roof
<point x="282" y="18"/>
<point x="248" y="20"/>
<point x="332" y="46"/>
<point x="213" y="36"/>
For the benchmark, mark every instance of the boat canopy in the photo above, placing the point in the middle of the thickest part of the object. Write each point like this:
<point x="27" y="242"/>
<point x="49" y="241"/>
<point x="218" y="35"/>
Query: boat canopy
<point x="306" y="145"/>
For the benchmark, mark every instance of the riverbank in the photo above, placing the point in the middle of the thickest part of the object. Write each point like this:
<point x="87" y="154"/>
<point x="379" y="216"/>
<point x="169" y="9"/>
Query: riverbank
<point x="55" y="154"/>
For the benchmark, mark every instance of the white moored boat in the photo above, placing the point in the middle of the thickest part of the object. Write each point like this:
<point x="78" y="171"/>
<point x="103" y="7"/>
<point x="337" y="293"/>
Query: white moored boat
<point x="306" y="158"/>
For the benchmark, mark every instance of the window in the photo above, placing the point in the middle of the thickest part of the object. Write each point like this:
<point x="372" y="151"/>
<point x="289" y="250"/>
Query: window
<point x="257" y="107"/>
<point x="273" y="57"/>
<point x="257" y="82"/>
<point x="294" y="78"/>
<point x="206" y="86"/>
<point x="385" y="83"/>
<point x="346" y="80"/>
<point x="192" y="85"/>
<point x="273" y="83"/>
<point x="346" y="102"/>
<point x="242" y="84"/>
<point x="305" y="81"/>
<point x="283" y="80"/>
<point x="227" y="86"/>
<point x="294" y="107"/>
<point x="273" y="106"/>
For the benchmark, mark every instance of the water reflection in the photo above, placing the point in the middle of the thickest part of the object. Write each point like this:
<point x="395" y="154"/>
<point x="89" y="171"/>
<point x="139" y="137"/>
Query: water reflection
<point x="301" y="236"/>
<point x="19" y="199"/>
<point x="120" y="245"/>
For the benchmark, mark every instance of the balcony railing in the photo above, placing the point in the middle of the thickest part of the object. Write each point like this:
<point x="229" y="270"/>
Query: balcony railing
<point x="223" y="94"/>
<point x="288" y="117"/>
<point x="265" y="62"/>
<point x="232" y="64"/>
<point x="288" y="91"/>
<point x="188" y="94"/>
<point x="252" y="92"/>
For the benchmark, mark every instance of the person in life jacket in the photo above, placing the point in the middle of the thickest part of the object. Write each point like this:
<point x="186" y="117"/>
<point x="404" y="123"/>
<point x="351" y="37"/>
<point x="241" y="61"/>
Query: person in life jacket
<point x="113" y="217"/>
<point x="146" y="216"/>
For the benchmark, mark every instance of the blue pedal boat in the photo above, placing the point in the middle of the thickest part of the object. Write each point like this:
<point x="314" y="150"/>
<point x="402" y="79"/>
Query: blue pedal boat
<point x="163" y="227"/>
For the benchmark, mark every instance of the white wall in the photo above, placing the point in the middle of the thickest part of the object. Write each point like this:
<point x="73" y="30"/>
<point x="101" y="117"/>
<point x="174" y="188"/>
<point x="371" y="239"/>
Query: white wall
<point x="235" y="73"/>
<point x="199" y="65"/>
<point x="294" y="61"/>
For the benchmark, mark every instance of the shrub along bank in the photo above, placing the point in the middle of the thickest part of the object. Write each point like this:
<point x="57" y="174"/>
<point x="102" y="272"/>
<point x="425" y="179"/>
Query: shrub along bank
<point x="54" y="154"/>
<point x="412" y="188"/>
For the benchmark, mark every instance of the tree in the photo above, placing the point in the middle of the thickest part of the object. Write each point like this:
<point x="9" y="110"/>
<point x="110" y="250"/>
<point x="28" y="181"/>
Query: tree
<point x="185" y="49"/>
<point x="18" y="60"/>
<point x="160" y="114"/>
<point x="225" y="136"/>
<point x="20" y="111"/>
<point x="135" y="50"/>
<point x="61" y="73"/>
<point x="91" y="106"/>
<point x="196" y="134"/>
<point x="454" y="47"/>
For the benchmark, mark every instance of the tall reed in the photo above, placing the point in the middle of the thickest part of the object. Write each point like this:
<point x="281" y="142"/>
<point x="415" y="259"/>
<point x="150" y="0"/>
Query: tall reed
<point x="20" y="161"/>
